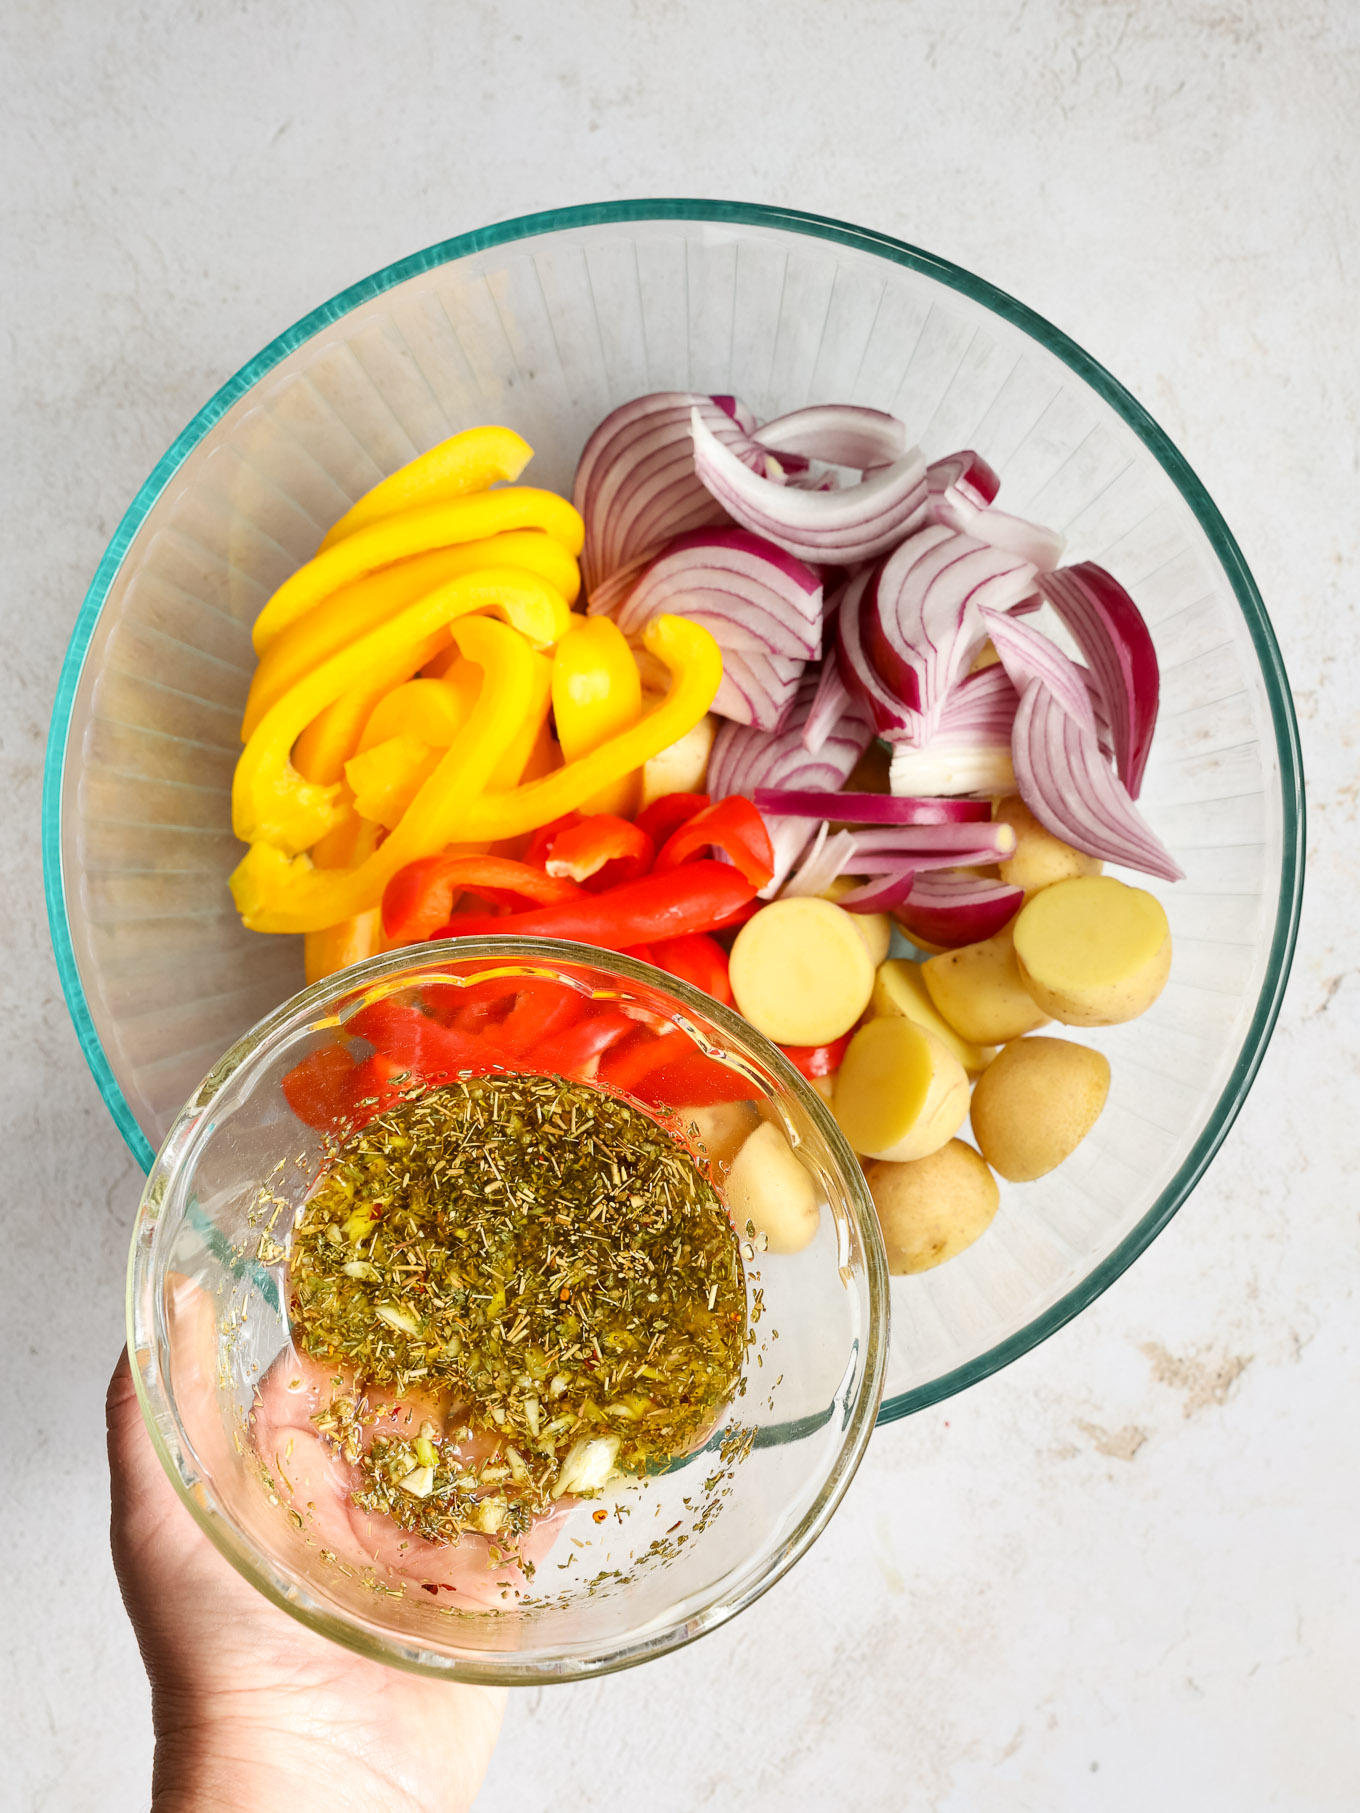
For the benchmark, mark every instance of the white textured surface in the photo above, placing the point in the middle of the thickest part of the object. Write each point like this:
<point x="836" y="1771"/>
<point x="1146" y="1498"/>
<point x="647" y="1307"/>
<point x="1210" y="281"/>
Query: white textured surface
<point x="1124" y="1572"/>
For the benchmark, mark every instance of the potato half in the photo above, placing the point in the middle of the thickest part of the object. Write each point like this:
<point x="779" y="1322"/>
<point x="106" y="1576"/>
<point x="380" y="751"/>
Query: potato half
<point x="1040" y="858"/>
<point x="932" y="1208"/>
<point x="801" y="972"/>
<point x="1092" y="951"/>
<point x="980" y="991"/>
<point x="900" y="1092"/>
<point x="1034" y="1106"/>
<point x="900" y="988"/>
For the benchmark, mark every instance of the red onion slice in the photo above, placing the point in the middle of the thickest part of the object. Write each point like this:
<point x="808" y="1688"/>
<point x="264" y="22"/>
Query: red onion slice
<point x="1067" y="784"/>
<point x="870" y="808"/>
<point x="841" y="434"/>
<point x="881" y="895"/>
<point x="922" y="615"/>
<point x="892" y="717"/>
<point x="842" y="526"/>
<point x="964" y="476"/>
<point x="826" y="861"/>
<point x="828" y="703"/>
<point x="753" y="596"/>
<point x="1111" y="633"/>
<point x="757" y="688"/>
<point x="934" y="846"/>
<point x="953" y="910"/>
<point x="1028" y="656"/>
<point x="635" y="483"/>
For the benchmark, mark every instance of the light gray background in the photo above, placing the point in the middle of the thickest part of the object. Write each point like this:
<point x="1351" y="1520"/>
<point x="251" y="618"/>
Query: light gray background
<point x="1123" y="1573"/>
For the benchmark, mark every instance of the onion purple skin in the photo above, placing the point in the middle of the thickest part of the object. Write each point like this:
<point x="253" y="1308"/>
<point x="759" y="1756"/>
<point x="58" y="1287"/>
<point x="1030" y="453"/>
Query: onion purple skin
<point x="871" y="808"/>
<point x="949" y="912"/>
<point x="1113" y="635"/>
<point x="965" y="473"/>
<point x="841" y="434"/>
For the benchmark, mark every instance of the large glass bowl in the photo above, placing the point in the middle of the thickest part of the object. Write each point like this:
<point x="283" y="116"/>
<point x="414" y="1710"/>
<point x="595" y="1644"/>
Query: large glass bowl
<point x="546" y="323"/>
<point x="654" y="1561"/>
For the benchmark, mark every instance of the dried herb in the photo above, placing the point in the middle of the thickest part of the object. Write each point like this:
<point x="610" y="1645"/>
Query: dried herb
<point x="545" y="1261"/>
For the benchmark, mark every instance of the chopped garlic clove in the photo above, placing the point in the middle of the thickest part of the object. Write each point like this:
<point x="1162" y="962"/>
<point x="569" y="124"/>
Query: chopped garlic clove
<point x="588" y="1465"/>
<point x="397" y="1318"/>
<point x="426" y="1452"/>
<point x="490" y="1516"/>
<point x="419" y="1482"/>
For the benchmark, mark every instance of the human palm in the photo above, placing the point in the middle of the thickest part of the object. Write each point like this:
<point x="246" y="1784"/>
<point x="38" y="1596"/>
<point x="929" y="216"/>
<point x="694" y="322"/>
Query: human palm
<point x="252" y="1710"/>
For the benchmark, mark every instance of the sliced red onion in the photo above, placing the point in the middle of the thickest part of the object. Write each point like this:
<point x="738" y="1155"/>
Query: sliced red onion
<point x="963" y="845"/>
<point x="1111" y="633"/>
<point x="1029" y="656"/>
<point x="871" y="808"/>
<point x="880" y="895"/>
<point x="757" y="688"/>
<point x="951" y="766"/>
<point x="752" y="595"/>
<point x="1067" y="784"/>
<point x="892" y="717"/>
<point x="743" y="417"/>
<point x="841" y="434"/>
<point x="964" y="477"/>
<point x="828" y="703"/>
<point x="635" y="483"/>
<point x="842" y="526"/>
<point x="826" y="860"/>
<point x="950" y="910"/>
<point x="922" y="614"/>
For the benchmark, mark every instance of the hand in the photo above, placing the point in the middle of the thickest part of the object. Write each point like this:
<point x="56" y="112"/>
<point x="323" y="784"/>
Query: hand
<point x="253" y="1711"/>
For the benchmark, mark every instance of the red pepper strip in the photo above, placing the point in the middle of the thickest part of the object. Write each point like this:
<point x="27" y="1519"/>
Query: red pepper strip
<point x="418" y="1043"/>
<point x="817" y="1060"/>
<point x="569" y="1052"/>
<point x="693" y="898"/>
<point x="668" y="813"/>
<point x="738" y="916"/>
<point x="541" y="1008"/>
<point x="542" y="840"/>
<point x="691" y="1080"/>
<point x="420" y="897"/>
<point x="600" y="851"/>
<point x="625" y="1064"/>
<point x="476" y="1001"/>
<point x="316" y="1088"/>
<point x="697" y="958"/>
<point x="374" y="1086"/>
<point x="642" y="953"/>
<point x="731" y="825"/>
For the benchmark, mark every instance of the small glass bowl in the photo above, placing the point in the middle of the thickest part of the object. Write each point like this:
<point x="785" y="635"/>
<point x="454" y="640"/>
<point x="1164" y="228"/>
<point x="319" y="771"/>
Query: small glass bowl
<point x="678" y="1551"/>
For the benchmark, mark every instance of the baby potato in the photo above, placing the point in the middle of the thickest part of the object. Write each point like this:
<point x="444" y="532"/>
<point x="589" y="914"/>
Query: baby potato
<point x="1034" y="1106"/>
<point x="681" y="766"/>
<point x="723" y="1128"/>
<point x="800" y="971"/>
<point x="1040" y="858"/>
<point x="1092" y="951"/>
<point x="979" y="990"/>
<point x="874" y="928"/>
<point x="770" y="1186"/>
<point x="900" y="1092"/>
<point x="932" y="1208"/>
<point x="899" y="988"/>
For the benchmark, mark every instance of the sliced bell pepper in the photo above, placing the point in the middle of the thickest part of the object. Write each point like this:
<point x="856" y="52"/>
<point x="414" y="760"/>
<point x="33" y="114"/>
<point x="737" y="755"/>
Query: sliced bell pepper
<point x="386" y="778"/>
<point x="366" y="604"/>
<point x="569" y="1052"/>
<point x="626" y="1063"/>
<point x="470" y="461"/>
<point x="375" y="1083"/>
<point x="338" y="946"/>
<point x="419" y="898"/>
<point x="274" y="893"/>
<point x="685" y="1078"/>
<point x="542" y="1007"/>
<point x="600" y="851"/>
<point x="668" y="813"/>
<point x="731" y="825"/>
<point x="522" y="747"/>
<point x="271" y="801"/>
<point x="415" y="1042"/>
<point x="698" y="959"/>
<point x="692" y="898"/>
<point x="317" y="1087"/>
<point x="818" y="1060"/>
<point x="695" y="664"/>
<point x="596" y="694"/>
<point x="414" y="532"/>
<point x="430" y="711"/>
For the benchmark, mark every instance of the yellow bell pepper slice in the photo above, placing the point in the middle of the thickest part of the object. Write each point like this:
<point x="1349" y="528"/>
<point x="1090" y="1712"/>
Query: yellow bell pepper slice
<point x="272" y="802"/>
<point x="278" y="893"/>
<point x="694" y="662"/>
<point x="596" y="694"/>
<point x="335" y="948"/>
<point x="415" y="532"/>
<point x="332" y="737"/>
<point x="386" y="777"/>
<point x="350" y="842"/>
<point x="510" y="770"/>
<point x="465" y="462"/>
<point x="428" y="711"/>
<point x="363" y="605"/>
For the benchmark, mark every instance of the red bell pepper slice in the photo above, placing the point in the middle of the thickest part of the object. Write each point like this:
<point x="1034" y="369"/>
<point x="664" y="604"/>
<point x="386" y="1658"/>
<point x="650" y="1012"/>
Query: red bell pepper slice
<point x="600" y="851"/>
<point x="625" y="1064"/>
<point x="567" y="1053"/>
<point x="693" y="898"/>
<point x="818" y="1060"/>
<point x="697" y="958"/>
<point x="731" y="825"/>
<point x="689" y="1079"/>
<point x="542" y="1007"/>
<point x="317" y="1087"/>
<point x="375" y="1085"/>
<point x="419" y="898"/>
<point x="418" y="1043"/>
<point x="668" y="813"/>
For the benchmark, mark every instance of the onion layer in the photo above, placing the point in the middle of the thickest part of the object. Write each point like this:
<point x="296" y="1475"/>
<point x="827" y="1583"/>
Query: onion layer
<point x="754" y="597"/>
<point x="1111" y="633"/>
<point x="841" y="434"/>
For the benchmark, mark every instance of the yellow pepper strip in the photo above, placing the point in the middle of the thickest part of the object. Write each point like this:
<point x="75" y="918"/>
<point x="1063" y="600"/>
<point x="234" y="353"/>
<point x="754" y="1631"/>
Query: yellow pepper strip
<point x="430" y="711"/>
<point x="363" y="605"/>
<point x="276" y="893"/>
<point x="349" y="843"/>
<point x="509" y="771"/>
<point x="272" y="802"/>
<point x="415" y="532"/>
<point x="596" y="694"/>
<point x="386" y="777"/>
<point x="338" y="946"/>
<point x="694" y="661"/>
<point x="465" y="462"/>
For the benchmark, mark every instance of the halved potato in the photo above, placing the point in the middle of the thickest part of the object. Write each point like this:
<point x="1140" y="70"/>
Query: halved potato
<point x="900" y="1092"/>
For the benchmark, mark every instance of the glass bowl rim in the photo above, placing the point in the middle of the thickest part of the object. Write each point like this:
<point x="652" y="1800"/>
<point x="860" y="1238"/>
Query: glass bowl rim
<point x="977" y="289"/>
<point x="860" y="1414"/>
